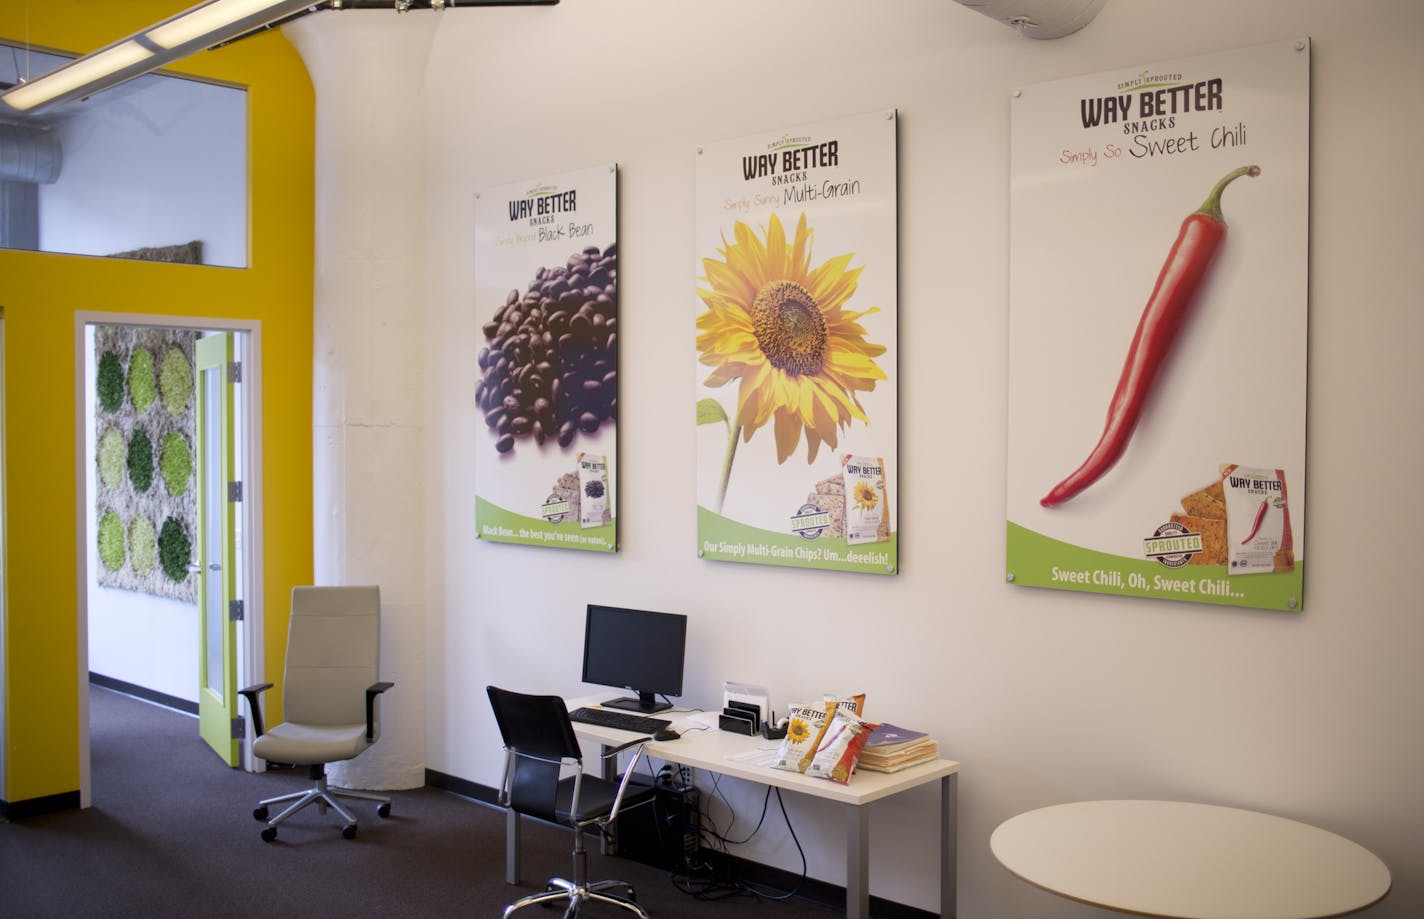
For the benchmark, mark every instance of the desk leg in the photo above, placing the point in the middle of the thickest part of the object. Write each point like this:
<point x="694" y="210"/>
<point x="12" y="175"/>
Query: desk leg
<point x="610" y="774"/>
<point x="511" y="846"/>
<point x="949" y="845"/>
<point x="857" y="862"/>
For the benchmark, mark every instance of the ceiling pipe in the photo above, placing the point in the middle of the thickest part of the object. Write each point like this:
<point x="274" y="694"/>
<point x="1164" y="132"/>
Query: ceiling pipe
<point x="1042" y="19"/>
<point x="29" y="153"/>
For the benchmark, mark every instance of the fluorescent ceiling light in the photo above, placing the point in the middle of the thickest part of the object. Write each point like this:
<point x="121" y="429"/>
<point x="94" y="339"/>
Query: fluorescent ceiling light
<point x="78" y="73"/>
<point x="202" y="26"/>
<point x="215" y="17"/>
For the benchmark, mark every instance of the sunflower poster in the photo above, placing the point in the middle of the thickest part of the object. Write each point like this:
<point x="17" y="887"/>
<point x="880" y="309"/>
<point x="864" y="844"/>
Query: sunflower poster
<point x="546" y="374"/>
<point x="795" y="298"/>
<point x="1158" y="301"/>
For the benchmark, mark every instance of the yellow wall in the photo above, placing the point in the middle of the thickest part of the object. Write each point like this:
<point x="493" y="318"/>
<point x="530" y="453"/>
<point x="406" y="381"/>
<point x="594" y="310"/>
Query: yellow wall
<point x="39" y="294"/>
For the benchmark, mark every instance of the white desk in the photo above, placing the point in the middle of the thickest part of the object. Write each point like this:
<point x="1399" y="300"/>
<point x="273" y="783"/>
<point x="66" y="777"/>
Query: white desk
<point x="1191" y="861"/>
<point x="709" y="750"/>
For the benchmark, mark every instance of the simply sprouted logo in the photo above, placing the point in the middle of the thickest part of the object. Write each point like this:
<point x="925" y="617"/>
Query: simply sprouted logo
<point x="809" y="521"/>
<point x="1172" y="544"/>
<point x="555" y="509"/>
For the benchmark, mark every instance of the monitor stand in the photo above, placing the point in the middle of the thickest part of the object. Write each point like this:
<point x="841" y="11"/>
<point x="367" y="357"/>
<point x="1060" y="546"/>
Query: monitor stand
<point x="645" y="703"/>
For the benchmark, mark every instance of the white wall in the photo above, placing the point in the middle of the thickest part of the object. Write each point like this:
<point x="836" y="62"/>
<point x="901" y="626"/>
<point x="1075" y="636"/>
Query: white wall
<point x="1044" y="696"/>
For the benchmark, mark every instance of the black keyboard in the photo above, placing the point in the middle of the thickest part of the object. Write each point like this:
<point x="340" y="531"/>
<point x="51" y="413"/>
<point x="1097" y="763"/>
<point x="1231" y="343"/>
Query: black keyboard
<point x="623" y="721"/>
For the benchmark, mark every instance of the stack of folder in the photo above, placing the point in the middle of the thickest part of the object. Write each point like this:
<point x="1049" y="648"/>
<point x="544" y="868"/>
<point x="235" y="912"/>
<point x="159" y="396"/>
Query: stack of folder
<point x="891" y="748"/>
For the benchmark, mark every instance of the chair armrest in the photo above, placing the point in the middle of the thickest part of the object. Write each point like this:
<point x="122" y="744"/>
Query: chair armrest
<point x="372" y="691"/>
<point x="627" y="775"/>
<point x="254" y="704"/>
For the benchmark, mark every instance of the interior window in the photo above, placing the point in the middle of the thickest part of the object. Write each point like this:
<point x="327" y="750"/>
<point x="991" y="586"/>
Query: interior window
<point x="155" y="168"/>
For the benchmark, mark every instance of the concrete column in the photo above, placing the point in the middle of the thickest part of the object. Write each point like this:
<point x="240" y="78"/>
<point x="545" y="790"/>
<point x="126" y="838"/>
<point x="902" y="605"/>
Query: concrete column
<point x="368" y="71"/>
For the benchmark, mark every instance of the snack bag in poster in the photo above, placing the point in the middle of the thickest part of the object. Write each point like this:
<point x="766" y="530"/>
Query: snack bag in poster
<point x="807" y="720"/>
<point x="840" y="747"/>
<point x="864" y="478"/>
<point x="593" y="489"/>
<point x="1258" y="526"/>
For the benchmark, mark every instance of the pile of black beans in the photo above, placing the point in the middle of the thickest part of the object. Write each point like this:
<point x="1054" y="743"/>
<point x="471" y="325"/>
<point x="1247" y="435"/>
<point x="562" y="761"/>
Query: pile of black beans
<point x="550" y="366"/>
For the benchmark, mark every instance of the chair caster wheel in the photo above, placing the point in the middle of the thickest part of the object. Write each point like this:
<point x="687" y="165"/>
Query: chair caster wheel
<point x="269" y="834"/>
<point x="260" y="814"/>
<point x="349" y="831"/>
<point x="383" y="810"/>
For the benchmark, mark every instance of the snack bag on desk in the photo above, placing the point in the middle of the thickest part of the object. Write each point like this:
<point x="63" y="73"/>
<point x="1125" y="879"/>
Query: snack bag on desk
<point x="840" y="747"/>
<point x="806" y="721"/>
<point x="852" y="704"/>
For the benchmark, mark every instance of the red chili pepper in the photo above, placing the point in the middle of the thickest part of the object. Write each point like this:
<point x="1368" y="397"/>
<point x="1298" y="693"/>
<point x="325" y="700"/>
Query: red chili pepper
<point x="1197" y="241"/>
<point x="1256" y="524"/>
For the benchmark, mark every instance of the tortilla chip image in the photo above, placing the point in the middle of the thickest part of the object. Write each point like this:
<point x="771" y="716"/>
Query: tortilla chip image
<point x="1213" y="536"/>
<point x="1209" y="502"/>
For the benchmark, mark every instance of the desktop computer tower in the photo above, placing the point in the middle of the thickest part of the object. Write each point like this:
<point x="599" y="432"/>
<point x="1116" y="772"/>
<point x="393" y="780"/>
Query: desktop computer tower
<point x="668" y="832"/>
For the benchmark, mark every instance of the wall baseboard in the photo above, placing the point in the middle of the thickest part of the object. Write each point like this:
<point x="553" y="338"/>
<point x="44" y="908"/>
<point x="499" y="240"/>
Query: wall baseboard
<point x="462" y="787"/>
<point x="143" y="692"/>
<point x="775" y="879"/>
<point x="33" y="807"/>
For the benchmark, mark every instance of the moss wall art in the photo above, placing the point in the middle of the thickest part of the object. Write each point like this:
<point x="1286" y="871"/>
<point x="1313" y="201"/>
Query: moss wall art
<point x="145" y="428"/>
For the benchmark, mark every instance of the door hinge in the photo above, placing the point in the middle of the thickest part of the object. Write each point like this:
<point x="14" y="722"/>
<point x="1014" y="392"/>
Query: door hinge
<point x="234" y="491"/>
<point x="239" y="728"/>
<point x="234" y="371"/>
<point x="234" y="610"/>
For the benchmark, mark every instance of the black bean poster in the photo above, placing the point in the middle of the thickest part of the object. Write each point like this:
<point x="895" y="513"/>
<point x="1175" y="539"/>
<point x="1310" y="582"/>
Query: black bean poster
<point x="795" y="298"/>
<point x="1159" y="222"/>
<point x="546" y="374"/>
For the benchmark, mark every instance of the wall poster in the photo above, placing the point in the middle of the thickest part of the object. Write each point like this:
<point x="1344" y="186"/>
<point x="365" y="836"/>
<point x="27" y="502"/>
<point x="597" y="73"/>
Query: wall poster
<point x="1158" y="253"/>
<point x="796" y="352"/>
<point x="546" y="298"/>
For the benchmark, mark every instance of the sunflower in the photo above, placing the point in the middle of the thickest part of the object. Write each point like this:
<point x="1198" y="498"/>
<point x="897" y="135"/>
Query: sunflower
<point x="798" y="731"/>
<point x="865" y="496"/>
<point x="779" y="326"/>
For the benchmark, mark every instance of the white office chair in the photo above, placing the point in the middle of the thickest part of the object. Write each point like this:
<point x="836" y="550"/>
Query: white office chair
<point x="329" y="697"/>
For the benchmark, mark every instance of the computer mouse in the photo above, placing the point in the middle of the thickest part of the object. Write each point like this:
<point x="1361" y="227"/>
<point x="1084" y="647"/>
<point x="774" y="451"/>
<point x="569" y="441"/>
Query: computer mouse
<point x="666" y="734"/>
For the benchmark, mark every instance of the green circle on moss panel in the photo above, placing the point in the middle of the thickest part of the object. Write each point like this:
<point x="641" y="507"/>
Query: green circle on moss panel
<point x="175" y="381"/>
<point x="175" y="463"/>
<point x="111" y="541"/>
<point x="143" y="545"/>
<point x="111" y="457"/>
<point x="174" y="549"/>
<point x="109" y="384"/>
<point x="140" y="461"/>
<point x="143" y="387"/>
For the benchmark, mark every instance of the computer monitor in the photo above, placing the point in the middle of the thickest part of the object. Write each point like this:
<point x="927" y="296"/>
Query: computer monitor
<point x="634" y="649"/>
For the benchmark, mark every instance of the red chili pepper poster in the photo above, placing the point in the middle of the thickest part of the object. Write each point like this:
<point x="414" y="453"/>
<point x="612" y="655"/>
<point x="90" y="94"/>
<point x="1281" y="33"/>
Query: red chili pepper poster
<point x="1157" y="369"/>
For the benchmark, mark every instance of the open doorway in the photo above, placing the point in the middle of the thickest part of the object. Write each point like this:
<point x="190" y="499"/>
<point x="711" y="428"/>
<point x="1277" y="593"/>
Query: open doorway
<point x="168" y="419"/>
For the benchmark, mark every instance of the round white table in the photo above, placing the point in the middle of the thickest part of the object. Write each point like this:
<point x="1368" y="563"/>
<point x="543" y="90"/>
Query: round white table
<point x="1189" y="861"/>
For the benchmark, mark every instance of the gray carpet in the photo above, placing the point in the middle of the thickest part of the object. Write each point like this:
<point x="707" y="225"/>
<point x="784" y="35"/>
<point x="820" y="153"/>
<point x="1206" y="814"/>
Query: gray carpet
<point x="171" y="833"/>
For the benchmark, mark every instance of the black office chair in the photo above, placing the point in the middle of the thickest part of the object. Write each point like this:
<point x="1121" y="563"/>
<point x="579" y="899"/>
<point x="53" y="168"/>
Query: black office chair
<point x="539" y="744"/>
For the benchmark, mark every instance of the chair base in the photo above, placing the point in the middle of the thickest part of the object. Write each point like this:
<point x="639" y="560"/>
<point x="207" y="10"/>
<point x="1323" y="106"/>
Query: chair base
<point x="324" y="796"/>
<point x="577" y="895"/>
